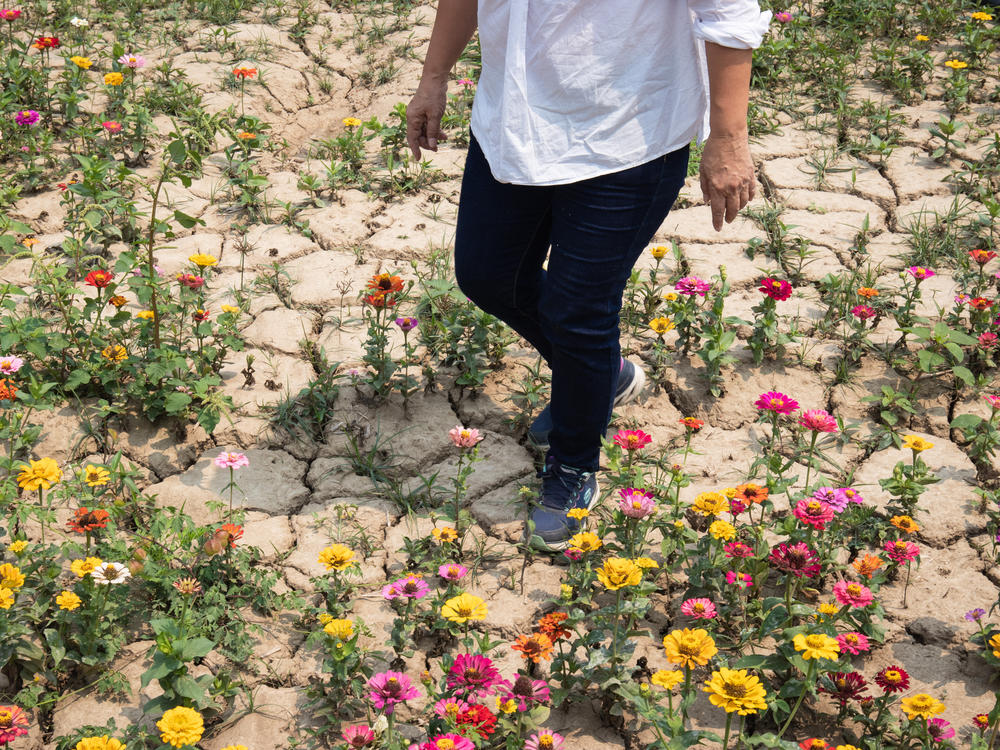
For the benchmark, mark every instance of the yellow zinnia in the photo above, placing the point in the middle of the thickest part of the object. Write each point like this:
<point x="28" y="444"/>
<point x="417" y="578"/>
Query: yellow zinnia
<point x="980" y="16"/>
<point x="577" y="514"/>
<point x="658" y="251"/>
<point x="6" y="598"/>
<point x="99" y="743"/>
<point x="444" y="534"/>
<point x="18" y="547"/>
<point x="689" y="648"/>
<point x="68" y="600"/>
<point x="351" y="122"/>
<point x="667" y="678"/>
<point x="113" y="79"/>
<point x="662" y="325"/>
<point x="336" y="557"/>
<point x="995" y="645"/>
<point x="921" y="38"/>
<point x="341" y="629"/>
<point x="916" y="444"/>
<point x="11" y="576"/>
<point x="232" y="309"/>
<point x="956" y="64"/>
<point x="710" y="503"/>
<point x="42" y="473"/>
<point x="618" y="572"/>
<point x="203" y="261"/>
<point x="922" y="705"/>
<point x="114" y="353"/>
<point x="96" y="476"/>
<point x="464" y="608"/>
<point x="585" y="541"/>
<point x="83" y="63"/>
<point x="646" y="563"/>
<point x="736" y="690"/>
<point x="145" y="314"/>
<point x="181" y="726"/>
<point x="85" y="567"/>
<point x="722" y="530"/>
<point x="816" y="646"/>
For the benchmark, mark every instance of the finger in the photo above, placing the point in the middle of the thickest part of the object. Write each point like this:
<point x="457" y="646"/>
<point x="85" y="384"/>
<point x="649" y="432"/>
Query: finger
<point x="732" y="206"/>
<point x="414" y="132"/>
<point x="753" y="189"/>
<point x="433" y="129"/>
<point x="718" y="205"/>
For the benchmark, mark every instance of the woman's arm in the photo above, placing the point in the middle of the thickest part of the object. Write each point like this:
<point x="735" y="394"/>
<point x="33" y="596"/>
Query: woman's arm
<point x="728" y="181"/>
<point x="454" y="26"/>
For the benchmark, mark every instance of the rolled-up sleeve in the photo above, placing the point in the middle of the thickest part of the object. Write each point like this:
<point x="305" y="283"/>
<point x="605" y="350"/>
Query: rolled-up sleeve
<point x="730" y="23"/>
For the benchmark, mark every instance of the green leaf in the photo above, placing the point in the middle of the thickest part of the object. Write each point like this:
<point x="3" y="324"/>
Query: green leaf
<point x="192" y="649"/>
<point x="964" y="374"/>
<point x="75" y="378"/>
<point x="187" y="221"/>
<point x="176" y="402"/>
<point x="966" y="422"/>
<point x="186" y="687"/>
<point x="161" y="667"/>
<point x="178" y="151"/>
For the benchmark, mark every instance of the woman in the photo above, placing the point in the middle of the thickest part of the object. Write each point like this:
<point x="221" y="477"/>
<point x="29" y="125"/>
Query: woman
<point x="580" y="131"/>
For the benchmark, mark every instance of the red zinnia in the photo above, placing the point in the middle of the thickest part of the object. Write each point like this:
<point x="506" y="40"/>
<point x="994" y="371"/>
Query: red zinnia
<point x="982" y="257"/>
<point x="99" y="278"/>
<point x="843" y="686"/>
<point x="981" y="303"/>
<point x="632" y="440"/>
<point x="692" y="423"/>
<point x="244" y="72"/>
<point x="479" y="718"/>
<point x="798" y="559"/>
<point x="776" y="289"/>
<point x="87" y="520"/>
<point x="893" y="679"/>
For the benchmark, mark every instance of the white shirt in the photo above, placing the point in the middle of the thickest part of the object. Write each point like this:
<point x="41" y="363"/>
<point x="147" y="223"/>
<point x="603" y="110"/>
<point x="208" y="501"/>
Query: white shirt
<point x="573" y="89"/>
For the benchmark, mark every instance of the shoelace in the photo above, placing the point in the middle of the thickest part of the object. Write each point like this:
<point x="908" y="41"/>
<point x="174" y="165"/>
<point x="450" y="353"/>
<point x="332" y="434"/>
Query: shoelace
<point x="572" y="487"/>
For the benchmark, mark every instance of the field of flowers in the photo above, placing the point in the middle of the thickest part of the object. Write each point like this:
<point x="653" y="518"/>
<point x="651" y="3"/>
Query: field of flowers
<point x="264" y="477"/>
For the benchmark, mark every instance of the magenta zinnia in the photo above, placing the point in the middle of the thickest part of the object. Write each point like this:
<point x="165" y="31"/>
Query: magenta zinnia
<point x="798" y="559"/>
<point x="525" y="691"/>
<point x="818" y="420"/>
<point x="632" y="440"/>
<point x="13" y="724"/>
<point x="901" y="551"/>
<point x="853" y="643"/>
<point x="851" y="594"/>
<point x="448" y="741"/>
<point x="472" y="675"/>
<point x="358" y="736"/>
<point x="777" y="289"/>
<point x="843" y="686"/>
<point x="691" y="286"/>
<point x="776" y="402"/>
<point x="813" y="513"/>
<point x="410" y="587"/>
<point x="389" y="688"/>
<point x="700" y="609"/>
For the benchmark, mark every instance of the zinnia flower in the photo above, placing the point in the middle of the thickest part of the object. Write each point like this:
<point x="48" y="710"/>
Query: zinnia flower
<point x="585" y="541"/>
<point x="920" y="273"/>
<point x="922" y="705"/>
<point x="104" y="742"/>
<point x="444" y="534"/>
<point x="544" y="739"/>
<point x="448" y="741"/>
<point x="893" y="679"/>
<point x="940" y="730"/>
<point x="853" y="643"/>
<point x="632" y="440"/>
<point x="905" y="524"/>
<point x="667" y="679"/>
<point x="202" y="260"/>
<point x="692" y="423"/>
<point x="406" y="324"/>
<point x="464" y="437"/>
<point x="736" y="690"/>
<point x="41" y="473"/>
<point x="901" y="551"/>
<point x="114" y="78"/>
<point x="10" y="364"/>
<point x="84" y="568"/>
<point x="689" y="648"/>
<point x="843" y="686"/>
<point x="452" y="571"/>
<point x="83" y="63"/>
<point x="738" y="550"/>
<point x="776" y="289"/>
<point x="351" y="122"/>
<point x="464" y="608"/>
<point x="26" y="117"/>
<point x="131" y="61"/>
<point x="867" y="565"/>
<point x="818" y="420"/>
<point x="636" y="503"/>
<point x="181" y="726"/>
<point x="10" y="14"/>
<point x="110" y="573"/>
<point x="956" y="65"/>
<point x="551" y="625"/>
<point x="339" y="628"/>
<point x="337" y="557"/>
<point x="114" y="353"/>
<point x="916" y="444"/>
<point x="96" y="476"/>
<point x="816" y="646"/>
<point x="692" y="286"/>
<point x="852" y="594"/>
<point x="358" y="736"/>
<point x="751" y="493"/>
<point x="535" y="647"/>
<point x="776" y="402"/>
<point x="386" y="689"/>
<point x="700" y="609"/>
<point x="813" y="513"/>
<point x="619" y="572"/>
<point x="525" y="692"/>
<point x="797" y="559"/>
<point x="472" y="675"/>
<point x="410" y="587"/>
<point x="722" y="530"/>
<point x="863" y="312"/>
<point x="710" y="504"/>
<point x="86" y="520"/>
<point x="661" y="325"/>
<point x="13" y="724"/>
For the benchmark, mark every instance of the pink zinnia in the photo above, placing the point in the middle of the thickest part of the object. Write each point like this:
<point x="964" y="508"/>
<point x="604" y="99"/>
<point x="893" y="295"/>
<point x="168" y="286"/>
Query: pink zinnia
<point x="852" y="495"/>
<point x="544" y="739"/>
<point x="10" y="14"/>
<point x="14" y="724"/>
<point x="472" y="675"/>
<point x="410" y="587"/>
<point x="231" y="461"/>
<point x="853" y="643"/>
<point x="190" y="280"/>
<point x="988" y="340"/>
<point x="524" y="691"/>
<point x="700" y="609"/>
<point x="993" y="401"/>
<point x="467" y="82"/>
<point x="632" y="440"/>
<point x="813" y="512"/>
<point x="112" y="126"/>
<point x="863" y="312"/>
<point x="779" y="403"/>
<point x="450" y="707"/>
<point x="389" y="688"/>
<point x="836" y="499"/>
<point x="448" y="741"/>
<point x="464" y="437"/>
<point x="10" y="364"/>
<point x="743" y="580"/>
<point x="26" y="117"/>
<point x="636" y="503"/>
<point x="738" y="549"/>
<point x="798" y="559"/>
<point x="920" y="273"/>
<point x="818" y="420"/>
<point x="782" y="16"/>
<point x="453" y="571"/>
<point x="132" y="61"/>
<point x="940" y="730"/>
<point x="901" y="551"/>
<point x="777" y="289"/>
<point x="851" y="594"/>
<point x="691" y="286"/>
<point x="358" y="736"/>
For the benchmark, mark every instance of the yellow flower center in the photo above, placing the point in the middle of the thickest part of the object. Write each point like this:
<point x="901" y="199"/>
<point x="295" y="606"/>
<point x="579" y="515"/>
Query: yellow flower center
<point x="445" y="744"/>
<point x="815" y="641"/>
<point x="6" y="718"/>
<point x="546" y="742"/>
<point x="892" y="676"/>
<point x="851" y="638"/>
<point x="854" y="589"/>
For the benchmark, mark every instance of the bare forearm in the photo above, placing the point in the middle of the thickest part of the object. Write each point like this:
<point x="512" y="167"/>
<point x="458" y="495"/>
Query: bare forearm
<point x="454" y="26"/>
<point x="729" y="89"/>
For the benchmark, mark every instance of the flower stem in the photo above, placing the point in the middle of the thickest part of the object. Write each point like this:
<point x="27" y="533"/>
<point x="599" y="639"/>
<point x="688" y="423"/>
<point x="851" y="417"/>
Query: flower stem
<point x="725" y="739"/>
<point x="795" y="708"/>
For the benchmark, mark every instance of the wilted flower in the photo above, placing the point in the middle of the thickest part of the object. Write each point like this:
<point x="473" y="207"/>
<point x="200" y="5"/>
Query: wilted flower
<point x="940" y="730"/>
<point x="187" y="586"/>
<point x="525" y="691"/>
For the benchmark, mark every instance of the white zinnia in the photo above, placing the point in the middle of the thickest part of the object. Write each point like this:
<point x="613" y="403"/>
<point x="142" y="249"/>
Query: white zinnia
<point x="80" y="23"/>
<point x="110" y="572"/>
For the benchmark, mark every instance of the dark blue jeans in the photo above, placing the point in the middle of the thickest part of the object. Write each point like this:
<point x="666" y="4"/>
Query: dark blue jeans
<point x="593" y="231"/>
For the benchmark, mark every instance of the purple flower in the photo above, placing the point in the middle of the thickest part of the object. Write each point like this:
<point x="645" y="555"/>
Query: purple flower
<point x="26" y="117"/>
<point x="410" y="587"/>
<point x="975" y="615"/>
<point x="692" y="285"/>
<point x="852" y="495"/>
<point x="453" y="571"/>
<point x="836" y="499"/>
<point x="406" y="324"/>
<point x="390" y="688"/>
<point x="636" y="503"/>
<point x="782" y="16"/>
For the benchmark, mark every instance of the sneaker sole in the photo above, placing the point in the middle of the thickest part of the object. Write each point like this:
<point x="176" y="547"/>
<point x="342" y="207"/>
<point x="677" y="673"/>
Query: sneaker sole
<point x="628" y="395"/>
<point x="540" y="545"/>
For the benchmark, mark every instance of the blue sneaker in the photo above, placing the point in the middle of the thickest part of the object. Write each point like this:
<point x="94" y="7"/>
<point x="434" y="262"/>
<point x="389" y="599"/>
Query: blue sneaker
<point x="631" y="380"/>
<point x="563" y="488"/>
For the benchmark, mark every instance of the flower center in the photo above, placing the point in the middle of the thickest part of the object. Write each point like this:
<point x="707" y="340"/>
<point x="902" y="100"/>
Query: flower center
<point x="546" y="742"/>
<point x="445" y="744"/>
<point x="6" y="718"/>
<point x="815" y="507"/>
<point x="735" y="689"/>
<point x="854" y="589"/>
<point x="471" y="674"/>
<point x="851" y="638"/>
<point x="815" y="641"/>
<point x="893" y="676"/>
<point x="699" y="608"/>
<point x="522" y="686"/>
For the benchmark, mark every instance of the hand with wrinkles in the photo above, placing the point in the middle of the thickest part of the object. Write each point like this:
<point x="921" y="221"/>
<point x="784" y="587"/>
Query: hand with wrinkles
<point x="728" y="180"/>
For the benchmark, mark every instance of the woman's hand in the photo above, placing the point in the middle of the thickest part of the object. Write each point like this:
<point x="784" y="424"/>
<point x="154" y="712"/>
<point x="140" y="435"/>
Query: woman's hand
<point x="423" y="116"/>
<point x="728" y="180"/>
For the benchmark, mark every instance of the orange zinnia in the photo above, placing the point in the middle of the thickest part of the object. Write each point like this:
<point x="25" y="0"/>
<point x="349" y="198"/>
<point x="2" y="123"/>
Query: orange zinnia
<point x="551" y="626"/>
<point x="535" y="646"/>
<point x="905" y="524"/>
<point x="87" y="520"/>
<point x="867" y="565"/>
<point x="751" y="493"/>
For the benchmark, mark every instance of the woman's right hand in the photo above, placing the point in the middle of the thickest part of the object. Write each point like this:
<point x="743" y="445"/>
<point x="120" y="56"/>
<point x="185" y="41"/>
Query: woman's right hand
<point x="423" y="116"/>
